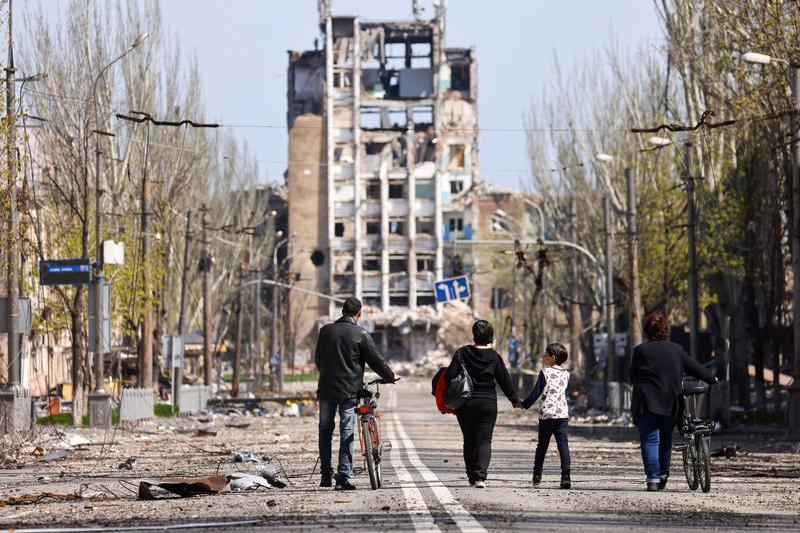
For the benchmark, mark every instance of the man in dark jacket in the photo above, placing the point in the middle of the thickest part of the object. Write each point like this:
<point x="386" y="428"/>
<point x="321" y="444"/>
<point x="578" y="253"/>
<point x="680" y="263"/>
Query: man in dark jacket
<point x="342" y="350"/>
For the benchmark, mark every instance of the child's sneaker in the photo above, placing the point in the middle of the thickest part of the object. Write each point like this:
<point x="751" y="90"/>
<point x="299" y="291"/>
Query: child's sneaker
<point x="537" y="479"/>
<point x="565" y="482"/>
<point x="480" y="484"/>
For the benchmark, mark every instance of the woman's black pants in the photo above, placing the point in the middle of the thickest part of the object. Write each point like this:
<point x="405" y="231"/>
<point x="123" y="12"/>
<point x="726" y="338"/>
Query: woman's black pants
<point x="477" y="418"/>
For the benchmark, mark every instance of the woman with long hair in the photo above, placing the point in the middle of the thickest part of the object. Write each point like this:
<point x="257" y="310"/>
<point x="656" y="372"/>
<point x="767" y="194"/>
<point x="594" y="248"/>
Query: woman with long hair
<point x="657" y="369"/>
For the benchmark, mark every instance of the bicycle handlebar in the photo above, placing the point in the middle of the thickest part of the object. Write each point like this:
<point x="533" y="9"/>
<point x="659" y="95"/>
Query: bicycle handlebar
<point x="381" y="381"/>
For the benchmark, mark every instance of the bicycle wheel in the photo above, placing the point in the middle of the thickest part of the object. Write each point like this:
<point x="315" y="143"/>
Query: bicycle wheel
<point x="369" y="455"/>
<point x="688" y="463"/>
<point x="703" y="464"/>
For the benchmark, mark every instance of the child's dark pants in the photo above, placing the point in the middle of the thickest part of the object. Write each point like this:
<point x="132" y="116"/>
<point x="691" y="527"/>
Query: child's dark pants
<point x="552" y="427"/>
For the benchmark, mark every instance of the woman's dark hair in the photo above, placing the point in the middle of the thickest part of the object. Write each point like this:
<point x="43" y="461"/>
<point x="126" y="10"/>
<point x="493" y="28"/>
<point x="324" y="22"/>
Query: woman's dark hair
<point x="482" y="333"/>
<point x="655" y="327"/>
<point x="558" y="352"/>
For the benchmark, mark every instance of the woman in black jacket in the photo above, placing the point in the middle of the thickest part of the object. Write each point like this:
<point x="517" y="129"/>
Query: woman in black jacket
<point x="478" y="414"/>
<point x="657" y="369"/>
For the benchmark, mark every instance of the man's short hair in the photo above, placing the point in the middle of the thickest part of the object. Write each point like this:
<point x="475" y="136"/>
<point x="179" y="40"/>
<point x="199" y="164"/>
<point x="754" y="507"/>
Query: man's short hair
<point x="558" y="352"/>
<point x="482" y="333"/>
<point x="351" y="306"/>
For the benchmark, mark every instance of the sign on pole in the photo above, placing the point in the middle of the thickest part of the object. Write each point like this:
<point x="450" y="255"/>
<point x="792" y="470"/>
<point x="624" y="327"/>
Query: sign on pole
<point x="452" y="289"/>
<point x="65" y="272"/>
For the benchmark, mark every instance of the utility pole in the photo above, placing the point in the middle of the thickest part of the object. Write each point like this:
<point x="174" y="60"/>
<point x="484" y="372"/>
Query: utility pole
<point x="206" y="271"/>
<point x="146" y="360"/>
<point x="793" y="400"/>
<point x="177" y="370"/>
<point x="610" y="311"/>
<point x="576" y="321"/>
<point x="694" y="312"/>
<point x="277" y="384"/>
<point x="237" y="356"/>
<point x="12" y="257"/>
<point x="634" y="293"/>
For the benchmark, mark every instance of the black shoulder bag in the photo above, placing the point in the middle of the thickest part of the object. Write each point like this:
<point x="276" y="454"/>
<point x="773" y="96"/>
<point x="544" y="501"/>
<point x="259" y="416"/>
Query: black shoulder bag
<point x="459" y="389"/>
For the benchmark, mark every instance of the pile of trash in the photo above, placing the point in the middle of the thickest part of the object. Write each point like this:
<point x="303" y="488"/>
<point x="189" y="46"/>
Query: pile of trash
<point x="266" y="477"/>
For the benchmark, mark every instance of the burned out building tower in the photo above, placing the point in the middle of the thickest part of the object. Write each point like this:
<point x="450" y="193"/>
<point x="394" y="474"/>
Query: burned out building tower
<point x="382" y="136"/>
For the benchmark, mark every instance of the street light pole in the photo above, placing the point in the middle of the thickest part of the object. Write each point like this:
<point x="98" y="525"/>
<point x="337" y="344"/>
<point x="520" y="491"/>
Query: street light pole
<point x="12" y="257"/>
<point x="610" y="311"/>
<point x="694" y="311"/>
<point x="277" y="385"/>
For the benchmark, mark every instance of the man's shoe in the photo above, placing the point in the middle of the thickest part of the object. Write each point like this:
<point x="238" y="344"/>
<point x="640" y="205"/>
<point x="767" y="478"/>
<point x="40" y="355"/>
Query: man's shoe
<point x="662" y="484"/>
<point x="652" y="486"/>
<point x="344" y="485"/>
<point x="326" y="481"/>
<point x="565" y="482"/>
<point x="537" y="479"/>
<point x="480" y="484"/>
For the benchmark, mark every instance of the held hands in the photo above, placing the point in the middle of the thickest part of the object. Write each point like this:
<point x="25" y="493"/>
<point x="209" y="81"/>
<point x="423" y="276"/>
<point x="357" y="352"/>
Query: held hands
<point x="517" y="404"/>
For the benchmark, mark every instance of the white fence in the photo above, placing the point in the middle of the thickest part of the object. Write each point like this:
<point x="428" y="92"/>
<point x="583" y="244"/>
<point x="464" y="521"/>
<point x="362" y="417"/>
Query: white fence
<point x="193" y="399"/>
<point x="136" y="404"/>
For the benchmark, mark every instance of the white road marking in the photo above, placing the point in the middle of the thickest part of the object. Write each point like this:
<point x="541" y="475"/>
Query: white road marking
<point x="418" y="511"/>
<point x="415" y="503"/>
<point x="464" y="521"/>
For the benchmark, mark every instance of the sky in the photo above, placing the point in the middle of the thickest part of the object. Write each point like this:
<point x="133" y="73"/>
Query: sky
<point x="241" y="45"/>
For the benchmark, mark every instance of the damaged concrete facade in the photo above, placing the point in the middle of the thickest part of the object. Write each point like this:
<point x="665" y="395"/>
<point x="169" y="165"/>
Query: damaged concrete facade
<point x="382" y="140"/>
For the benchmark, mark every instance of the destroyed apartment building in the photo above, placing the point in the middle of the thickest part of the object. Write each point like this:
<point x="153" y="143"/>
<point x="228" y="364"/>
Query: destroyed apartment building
<point x="383" y="154"/>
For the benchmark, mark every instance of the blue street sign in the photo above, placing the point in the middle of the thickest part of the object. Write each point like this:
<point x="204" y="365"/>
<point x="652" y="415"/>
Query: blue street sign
<point x="452" y="289"/>
<point x="65" y="272"/>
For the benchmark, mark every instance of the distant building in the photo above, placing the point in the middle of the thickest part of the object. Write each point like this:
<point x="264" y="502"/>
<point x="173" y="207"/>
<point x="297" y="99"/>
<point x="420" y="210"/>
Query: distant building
<point x="383" y="174"/>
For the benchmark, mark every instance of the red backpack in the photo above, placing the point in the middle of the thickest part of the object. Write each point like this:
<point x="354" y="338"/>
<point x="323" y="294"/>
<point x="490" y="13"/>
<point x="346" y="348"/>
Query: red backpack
<point x="438" y="389"/>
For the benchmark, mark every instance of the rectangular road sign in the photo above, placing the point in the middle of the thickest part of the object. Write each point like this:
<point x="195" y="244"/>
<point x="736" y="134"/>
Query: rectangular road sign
<point x="65" y="272"/>
<point x="452" y="289"/>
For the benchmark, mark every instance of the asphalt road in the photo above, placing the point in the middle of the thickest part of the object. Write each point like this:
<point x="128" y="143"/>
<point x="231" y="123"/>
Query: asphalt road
<point x="425" y="488"/>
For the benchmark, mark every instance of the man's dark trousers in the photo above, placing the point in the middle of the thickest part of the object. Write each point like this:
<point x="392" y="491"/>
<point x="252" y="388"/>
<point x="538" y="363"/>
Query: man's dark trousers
<point x="347" y="426"/>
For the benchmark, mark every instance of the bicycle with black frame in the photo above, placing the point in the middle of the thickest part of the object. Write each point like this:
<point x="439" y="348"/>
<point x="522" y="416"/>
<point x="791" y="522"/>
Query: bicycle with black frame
<point x="695" y="437"/>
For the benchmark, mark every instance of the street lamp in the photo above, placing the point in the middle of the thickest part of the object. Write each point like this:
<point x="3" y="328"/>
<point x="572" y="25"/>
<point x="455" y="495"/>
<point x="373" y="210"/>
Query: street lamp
<point x="275" y="295"/>
<point x="793" y="400"/>
<point x="99" y="398"/>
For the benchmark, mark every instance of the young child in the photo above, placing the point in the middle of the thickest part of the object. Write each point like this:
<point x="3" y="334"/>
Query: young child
<point x="554" y="418"/>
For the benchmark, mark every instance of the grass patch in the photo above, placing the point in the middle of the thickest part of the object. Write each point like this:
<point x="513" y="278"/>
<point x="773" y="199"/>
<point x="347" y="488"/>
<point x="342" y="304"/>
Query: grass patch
<point x="65" y="419"/>
<point x="300" y="378"/>
<point x="164" y="410"/>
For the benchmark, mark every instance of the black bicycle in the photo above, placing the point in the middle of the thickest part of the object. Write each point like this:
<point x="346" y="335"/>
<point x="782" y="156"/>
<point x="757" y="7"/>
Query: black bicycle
<point x="372" y="444"/>
<point x="696" y="435"/>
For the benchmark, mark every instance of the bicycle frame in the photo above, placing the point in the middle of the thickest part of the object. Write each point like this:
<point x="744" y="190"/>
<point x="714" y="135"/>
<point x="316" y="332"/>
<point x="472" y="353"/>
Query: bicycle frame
<point x="367" y="411"/>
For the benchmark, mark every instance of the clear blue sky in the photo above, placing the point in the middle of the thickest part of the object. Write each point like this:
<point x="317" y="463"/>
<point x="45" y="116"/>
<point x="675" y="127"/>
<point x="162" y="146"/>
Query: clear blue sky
<point x="241" y="49"/>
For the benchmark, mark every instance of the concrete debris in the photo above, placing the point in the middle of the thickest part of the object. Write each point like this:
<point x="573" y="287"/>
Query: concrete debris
<point x="240" y="481"/>
<point x="729" y="452"/>
<point x="74" y="441"/>
<point x="183" y="486"/>
<point x="128" y="464"/>
<point x="245" y="457"/>
<point x="237" y="424"/>
<point x="30" y="499"/>
<point x="270" y="473"/>
<point x="281" y="438"/>
<point x="204" y="432"/>
<point x="54" y="456"/>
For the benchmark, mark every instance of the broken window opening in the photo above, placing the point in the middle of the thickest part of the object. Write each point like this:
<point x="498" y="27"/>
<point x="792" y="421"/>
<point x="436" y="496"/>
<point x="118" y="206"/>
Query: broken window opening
<point x="374" y="148"/>
<point x="370" y="118"/>
<point x="459" y="77"/>
<point x="397" y="191"/>
<point x="396" y="227"/>
<point x="342" y="80"/>
<point x="398" y="301"/>
<point x="426" y="300"/>
<point x="338" y="229"/>
<point x="422" y="117"/>
<point x="372" y="264"/>
<point x="425" y="226"/>
<point x="456" y="186"/>
<point x="456" y="157"/>
<point x="426" y="264"/>
<point x="373" y="227"/>
<point x="398" y="265"/>
<point x="373" y="190"/>
<point x="456" y="224"/>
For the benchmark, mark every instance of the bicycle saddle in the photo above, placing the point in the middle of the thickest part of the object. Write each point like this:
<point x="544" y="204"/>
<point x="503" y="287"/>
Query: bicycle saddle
<point x="693" y="386"/>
